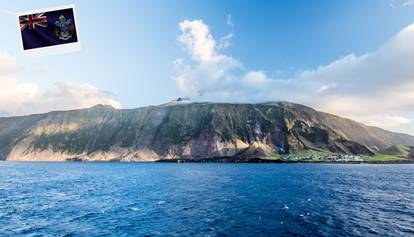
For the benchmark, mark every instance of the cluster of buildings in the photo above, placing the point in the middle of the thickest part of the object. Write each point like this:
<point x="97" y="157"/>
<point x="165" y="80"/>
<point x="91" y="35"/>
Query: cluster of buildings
<point x="328" y="158"/>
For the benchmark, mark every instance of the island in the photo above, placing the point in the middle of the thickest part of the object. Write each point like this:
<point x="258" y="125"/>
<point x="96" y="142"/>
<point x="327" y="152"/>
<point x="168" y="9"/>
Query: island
<point x="180" y="131"/>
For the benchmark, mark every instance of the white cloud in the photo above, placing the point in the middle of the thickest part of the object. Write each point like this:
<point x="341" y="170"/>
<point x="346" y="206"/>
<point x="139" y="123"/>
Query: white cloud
<point x="69" y="95"/>
<point x="225" y="41"/>
<point x="18" y="98"/>
<point x="401" y="3"/>
<point x="408" y="3"/>
<point x="211" y="67"/>
<point x="389" y="121"/>
<point x="198" y="40"/>
<point x="326" y="87"/>
<point x="254" y="78"/>
<point x="375" y="84"/>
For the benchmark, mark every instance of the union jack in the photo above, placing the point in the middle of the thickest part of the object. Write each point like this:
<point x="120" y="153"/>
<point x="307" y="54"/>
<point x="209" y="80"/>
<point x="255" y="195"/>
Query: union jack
<point x="32" y="21"/>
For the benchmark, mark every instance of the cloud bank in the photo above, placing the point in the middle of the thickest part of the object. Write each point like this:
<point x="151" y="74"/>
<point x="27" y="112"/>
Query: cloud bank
<point x="375" y="88"/>
<point x="401" y="3"/>
<point x="18" y="98"/>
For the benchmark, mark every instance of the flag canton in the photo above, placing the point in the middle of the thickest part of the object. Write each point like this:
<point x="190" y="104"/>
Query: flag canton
<point x="48" y="28"/>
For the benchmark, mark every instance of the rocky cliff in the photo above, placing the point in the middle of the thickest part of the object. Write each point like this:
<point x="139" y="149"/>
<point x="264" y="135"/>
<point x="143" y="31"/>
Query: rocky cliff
<point x="187" y="131"/>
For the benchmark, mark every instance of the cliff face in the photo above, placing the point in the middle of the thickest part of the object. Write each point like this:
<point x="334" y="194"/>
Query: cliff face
<point x="186" y="131"/>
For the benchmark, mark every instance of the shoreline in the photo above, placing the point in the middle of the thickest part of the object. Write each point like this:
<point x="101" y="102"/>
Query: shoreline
<point x="220" y="160"/>
<point x="264" y="161"/>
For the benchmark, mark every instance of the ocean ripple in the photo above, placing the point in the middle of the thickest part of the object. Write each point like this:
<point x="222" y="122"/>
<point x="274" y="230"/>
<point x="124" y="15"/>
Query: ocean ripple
<point x="160" y="199"/>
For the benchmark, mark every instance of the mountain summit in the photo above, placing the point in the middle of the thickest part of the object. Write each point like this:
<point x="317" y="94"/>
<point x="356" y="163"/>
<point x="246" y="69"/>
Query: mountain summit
<point x="190" y="131"/>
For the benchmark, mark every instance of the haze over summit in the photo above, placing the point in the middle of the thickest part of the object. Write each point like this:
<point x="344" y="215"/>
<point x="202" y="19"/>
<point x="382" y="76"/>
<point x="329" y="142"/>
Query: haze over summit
<point x="208" y="57"/>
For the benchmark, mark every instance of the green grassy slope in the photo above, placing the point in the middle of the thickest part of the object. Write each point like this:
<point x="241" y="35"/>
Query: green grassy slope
<point x="393" y="153"/>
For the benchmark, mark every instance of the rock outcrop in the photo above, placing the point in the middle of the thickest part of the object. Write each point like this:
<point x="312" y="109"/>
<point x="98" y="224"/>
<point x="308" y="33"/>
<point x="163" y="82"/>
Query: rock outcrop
<point x="186" y="131"/>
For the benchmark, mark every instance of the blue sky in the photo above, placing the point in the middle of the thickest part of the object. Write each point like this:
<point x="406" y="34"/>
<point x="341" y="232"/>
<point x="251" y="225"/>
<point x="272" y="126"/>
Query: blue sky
<point x="129" y="47"/>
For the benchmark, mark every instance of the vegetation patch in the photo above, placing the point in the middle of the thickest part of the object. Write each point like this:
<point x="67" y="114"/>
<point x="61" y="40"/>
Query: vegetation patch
<point x="393" y="153"/>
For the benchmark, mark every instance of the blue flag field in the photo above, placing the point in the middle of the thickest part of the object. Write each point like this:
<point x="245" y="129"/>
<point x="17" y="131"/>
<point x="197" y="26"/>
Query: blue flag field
<point x="49" y="28"/>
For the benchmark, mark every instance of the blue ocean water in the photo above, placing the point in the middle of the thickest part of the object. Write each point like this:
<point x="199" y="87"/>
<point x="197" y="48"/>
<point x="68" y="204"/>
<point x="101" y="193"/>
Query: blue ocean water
<point x="168" y="199"/>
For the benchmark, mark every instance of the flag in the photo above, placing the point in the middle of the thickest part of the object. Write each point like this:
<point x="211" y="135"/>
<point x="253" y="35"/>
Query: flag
<point x="48" y="28"/>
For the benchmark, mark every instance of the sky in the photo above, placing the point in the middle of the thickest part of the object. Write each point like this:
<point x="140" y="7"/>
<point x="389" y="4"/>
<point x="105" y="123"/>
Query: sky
<point x="350" y="58"/>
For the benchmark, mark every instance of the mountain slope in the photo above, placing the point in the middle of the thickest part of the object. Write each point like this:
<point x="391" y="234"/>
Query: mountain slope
<point x="367" y="135"/>
<point x="186" y="131"/>
<point x="394" y="154"/>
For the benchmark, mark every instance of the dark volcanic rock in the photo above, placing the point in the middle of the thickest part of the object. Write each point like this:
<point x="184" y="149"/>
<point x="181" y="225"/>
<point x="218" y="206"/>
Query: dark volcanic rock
<point x="186" y="131"/>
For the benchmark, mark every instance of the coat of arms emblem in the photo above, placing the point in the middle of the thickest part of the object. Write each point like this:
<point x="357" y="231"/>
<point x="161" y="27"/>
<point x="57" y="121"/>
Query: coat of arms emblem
<point x="64" y="28"/>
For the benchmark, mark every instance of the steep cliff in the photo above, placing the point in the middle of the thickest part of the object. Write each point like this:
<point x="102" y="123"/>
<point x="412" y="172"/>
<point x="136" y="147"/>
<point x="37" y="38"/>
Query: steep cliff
<point x="187" y="131"/>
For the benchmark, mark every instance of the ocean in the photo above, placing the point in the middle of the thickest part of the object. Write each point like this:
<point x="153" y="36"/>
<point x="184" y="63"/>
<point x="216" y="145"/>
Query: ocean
<point x="205" y="199"/>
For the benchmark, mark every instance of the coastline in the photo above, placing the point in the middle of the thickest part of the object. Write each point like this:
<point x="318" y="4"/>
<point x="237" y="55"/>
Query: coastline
<point x="218" y="160"/>
<point x="262" y="161"/>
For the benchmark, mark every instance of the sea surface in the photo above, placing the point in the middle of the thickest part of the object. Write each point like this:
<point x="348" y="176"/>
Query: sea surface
<point x="169" y="199"/>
